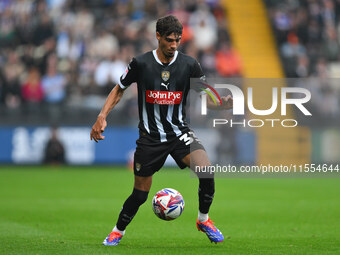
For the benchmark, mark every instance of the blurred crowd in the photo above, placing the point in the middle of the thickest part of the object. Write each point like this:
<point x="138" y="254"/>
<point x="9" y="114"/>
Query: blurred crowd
<point x="308" y="37"/>
<point x="70" y="53"/>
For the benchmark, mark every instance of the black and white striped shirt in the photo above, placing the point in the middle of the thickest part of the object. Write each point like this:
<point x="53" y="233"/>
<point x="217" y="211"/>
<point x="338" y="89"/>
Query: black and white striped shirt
<point x="162" y="92"/>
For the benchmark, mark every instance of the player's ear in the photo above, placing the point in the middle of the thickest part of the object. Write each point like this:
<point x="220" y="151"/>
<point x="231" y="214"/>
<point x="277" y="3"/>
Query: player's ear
<point x="158" y="36"/>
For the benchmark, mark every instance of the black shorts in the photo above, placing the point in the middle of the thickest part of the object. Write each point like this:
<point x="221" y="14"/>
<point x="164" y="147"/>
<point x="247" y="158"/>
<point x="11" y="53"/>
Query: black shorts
<point x="150" y="154"/>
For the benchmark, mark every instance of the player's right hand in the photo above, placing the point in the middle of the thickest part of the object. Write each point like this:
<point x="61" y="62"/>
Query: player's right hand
<point x="98" y="128"/>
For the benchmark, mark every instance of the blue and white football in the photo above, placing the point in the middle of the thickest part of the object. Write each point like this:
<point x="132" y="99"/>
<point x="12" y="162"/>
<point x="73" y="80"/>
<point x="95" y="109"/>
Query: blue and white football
<point x="168" y="204"/>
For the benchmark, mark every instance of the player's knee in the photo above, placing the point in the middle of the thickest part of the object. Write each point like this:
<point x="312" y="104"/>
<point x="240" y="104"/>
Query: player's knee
<point x="140" y="196"/>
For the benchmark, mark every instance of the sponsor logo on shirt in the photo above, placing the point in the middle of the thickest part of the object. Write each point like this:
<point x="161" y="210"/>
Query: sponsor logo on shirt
<point x="163" y="97"/>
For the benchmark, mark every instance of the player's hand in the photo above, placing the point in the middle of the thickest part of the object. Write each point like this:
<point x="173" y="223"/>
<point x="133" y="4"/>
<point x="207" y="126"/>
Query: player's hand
<point x="227" y="102"/>
<point x="98" y="128"/>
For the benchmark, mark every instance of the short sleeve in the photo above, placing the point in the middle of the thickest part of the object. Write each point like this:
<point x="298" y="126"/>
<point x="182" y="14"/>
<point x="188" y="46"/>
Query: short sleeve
<point x="130" y="74"/>
<point x="198" y="73"/>
<point x="197" y="70"/>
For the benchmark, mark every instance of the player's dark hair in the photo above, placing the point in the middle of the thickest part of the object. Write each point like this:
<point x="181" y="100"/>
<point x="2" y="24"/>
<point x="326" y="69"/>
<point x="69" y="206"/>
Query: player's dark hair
<point x="168" y="25"/>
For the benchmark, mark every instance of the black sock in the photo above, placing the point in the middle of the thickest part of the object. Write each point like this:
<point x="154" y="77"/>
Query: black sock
<point x="130" y="208"/>
<point x="206" y="193"/>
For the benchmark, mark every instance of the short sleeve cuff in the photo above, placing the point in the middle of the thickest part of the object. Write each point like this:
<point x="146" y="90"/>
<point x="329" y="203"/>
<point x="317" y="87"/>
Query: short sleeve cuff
<point x="121" y="85"/>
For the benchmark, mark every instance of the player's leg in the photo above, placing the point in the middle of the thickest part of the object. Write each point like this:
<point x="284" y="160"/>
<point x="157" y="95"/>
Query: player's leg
<point x="135" y="200"/>
<point x="206" y="188"/>
<point x="148" y="159"/>
<point x="138" y="196"/>
<point x="206" y="193"/>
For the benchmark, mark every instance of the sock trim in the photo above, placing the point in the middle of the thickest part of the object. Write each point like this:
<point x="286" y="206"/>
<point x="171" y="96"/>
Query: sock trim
<point x="115" y="229"/>
<point x="202" y="217"/>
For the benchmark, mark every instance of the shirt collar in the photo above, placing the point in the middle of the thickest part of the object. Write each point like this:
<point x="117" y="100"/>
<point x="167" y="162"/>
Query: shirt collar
<point x="159" y="62"/>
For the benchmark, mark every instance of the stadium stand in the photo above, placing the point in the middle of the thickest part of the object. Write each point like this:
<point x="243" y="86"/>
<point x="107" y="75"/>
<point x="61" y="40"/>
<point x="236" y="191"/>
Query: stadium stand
<point x="307" y="36"/>
<point x="59" y="59"/>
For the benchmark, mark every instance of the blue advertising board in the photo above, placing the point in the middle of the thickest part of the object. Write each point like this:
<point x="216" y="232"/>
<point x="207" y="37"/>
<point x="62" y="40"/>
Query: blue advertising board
<point x="26" y="145"/>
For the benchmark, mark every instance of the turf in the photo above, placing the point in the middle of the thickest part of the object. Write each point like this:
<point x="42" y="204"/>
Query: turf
<point x="70" y="210"/>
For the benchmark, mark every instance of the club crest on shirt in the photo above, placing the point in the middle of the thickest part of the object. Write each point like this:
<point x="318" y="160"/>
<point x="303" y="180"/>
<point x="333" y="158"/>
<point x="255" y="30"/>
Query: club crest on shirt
<point x="165" y="75"/>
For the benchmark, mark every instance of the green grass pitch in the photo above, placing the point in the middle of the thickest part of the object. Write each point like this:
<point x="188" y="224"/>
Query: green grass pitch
<point x="70" y="210"/>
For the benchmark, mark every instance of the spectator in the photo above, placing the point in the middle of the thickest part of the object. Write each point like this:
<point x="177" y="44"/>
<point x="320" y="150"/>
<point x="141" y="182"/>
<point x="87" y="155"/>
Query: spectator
<point x="108" y="72"/>
<point x="291" y="51"/>
<point x="331" y="44"/>
<point x="228" y="62"/>
<point x="302" y="68"/>
<point x="204" y="27"/>
<point x="292" y="48"/>
<point x="7" y="28"/>
<point x="69" y="46"/>
<point x="104" y="45"/>
<point x="314" y="32"/>
<point x="54" y="150"/>
<point x="53" y="83"/>
<point x="13" y="70"/>
<point x="43" y="30"/>
<point x="83" y="23"/>
<point x="31" y="90"/>
<point x="208" y="61"/>
<point x="42" y="54"/>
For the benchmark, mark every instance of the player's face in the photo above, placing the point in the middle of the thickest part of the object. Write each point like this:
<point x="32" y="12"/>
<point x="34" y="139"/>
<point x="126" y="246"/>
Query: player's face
<point x="168" y="44"/>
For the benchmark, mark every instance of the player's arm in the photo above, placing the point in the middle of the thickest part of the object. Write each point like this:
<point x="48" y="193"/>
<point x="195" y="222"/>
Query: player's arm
<point x="227" y="101"/>
<point x="113" y="98"/>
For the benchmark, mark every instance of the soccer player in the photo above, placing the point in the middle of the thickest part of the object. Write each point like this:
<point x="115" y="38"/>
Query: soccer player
<point x="163" y="81"/>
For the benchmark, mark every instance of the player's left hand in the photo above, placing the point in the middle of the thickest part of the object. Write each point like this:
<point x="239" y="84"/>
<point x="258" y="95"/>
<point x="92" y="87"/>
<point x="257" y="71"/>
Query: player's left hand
<point x="97" y="129"/>
<point x="227" y="102"/>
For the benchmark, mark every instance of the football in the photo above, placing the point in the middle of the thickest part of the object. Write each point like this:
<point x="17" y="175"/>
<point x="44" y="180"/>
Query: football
<point x="168" y="204"/>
